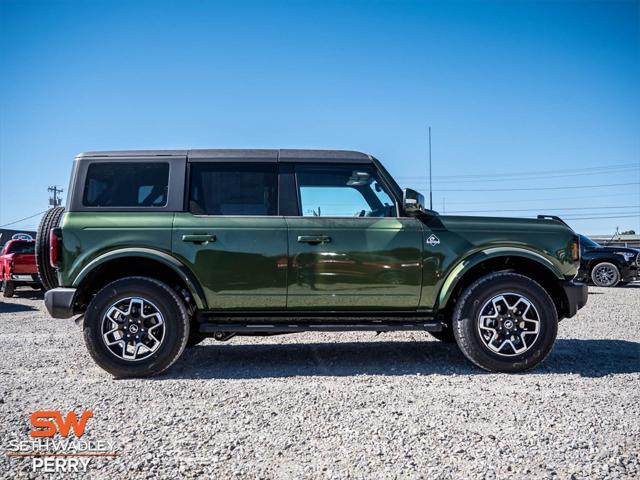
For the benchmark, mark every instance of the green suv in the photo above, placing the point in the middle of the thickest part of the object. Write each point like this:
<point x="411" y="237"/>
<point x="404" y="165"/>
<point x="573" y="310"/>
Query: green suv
<point x="158" y="250"/>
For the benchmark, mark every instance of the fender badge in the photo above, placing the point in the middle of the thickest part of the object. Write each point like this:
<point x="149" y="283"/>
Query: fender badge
<point x="433" y="240"/>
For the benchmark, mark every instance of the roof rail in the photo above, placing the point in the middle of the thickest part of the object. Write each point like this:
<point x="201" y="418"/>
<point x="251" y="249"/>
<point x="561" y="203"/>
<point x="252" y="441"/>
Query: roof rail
<point x="553" y="217"/>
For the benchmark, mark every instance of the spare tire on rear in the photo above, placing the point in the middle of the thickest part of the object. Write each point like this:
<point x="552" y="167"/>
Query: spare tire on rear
<point x="51" y="219"/>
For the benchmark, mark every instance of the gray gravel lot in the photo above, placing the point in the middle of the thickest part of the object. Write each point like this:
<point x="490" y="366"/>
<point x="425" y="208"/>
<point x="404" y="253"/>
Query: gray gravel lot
<point x="350" y="405"/>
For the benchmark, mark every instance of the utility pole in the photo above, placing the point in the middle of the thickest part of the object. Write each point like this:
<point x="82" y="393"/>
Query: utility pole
<point x="55" y="201"/>
<point x="430" y="186"/>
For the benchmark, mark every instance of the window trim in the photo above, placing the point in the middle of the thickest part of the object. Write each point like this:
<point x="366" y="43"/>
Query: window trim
<point x="380" y="178"/>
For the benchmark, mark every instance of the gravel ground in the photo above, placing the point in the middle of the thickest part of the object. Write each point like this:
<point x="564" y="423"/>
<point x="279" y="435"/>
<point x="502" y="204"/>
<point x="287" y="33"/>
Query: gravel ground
<point x="349" y="405"/>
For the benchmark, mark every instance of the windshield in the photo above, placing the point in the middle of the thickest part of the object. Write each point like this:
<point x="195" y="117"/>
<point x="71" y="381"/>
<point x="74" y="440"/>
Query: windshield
<point x="587" y="242"/>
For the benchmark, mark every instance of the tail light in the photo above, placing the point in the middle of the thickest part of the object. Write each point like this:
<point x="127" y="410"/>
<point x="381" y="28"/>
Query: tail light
<point x="55" y="247"/>
<point x="575" y="249"/>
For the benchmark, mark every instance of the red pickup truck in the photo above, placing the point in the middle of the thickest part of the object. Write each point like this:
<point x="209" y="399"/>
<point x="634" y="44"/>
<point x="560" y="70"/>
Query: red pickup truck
<point x="18" y="266"/>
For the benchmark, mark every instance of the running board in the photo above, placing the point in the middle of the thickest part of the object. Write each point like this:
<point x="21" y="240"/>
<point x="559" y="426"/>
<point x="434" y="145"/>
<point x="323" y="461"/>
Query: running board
<point x="289" y="327"/>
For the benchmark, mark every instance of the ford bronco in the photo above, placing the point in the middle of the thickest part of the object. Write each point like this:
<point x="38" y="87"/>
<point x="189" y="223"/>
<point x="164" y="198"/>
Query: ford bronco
<point x="158" y="250"/>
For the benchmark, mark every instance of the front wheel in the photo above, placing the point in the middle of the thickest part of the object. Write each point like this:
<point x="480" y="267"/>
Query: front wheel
<point x="136" y="327"/>
<point x="605" y="274"/>
<point x="505" y="322"/>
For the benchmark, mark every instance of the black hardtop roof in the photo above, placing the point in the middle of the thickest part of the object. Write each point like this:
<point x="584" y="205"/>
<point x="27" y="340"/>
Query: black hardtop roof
<point x="243" y="155"/>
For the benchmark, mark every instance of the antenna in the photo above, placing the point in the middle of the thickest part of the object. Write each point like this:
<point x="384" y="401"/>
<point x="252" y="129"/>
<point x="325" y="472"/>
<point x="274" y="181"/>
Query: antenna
<point x="430" y="189"/>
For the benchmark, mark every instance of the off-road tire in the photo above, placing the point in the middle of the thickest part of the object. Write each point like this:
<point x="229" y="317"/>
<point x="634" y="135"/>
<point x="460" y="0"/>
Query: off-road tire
<point x="612" y="268"/>
<point x="51" y="219"/>
<point x="466" y="317"/>
<point x="445" y="335"/>
<point x="8" y="288"/>
<point x="170" y="306"/>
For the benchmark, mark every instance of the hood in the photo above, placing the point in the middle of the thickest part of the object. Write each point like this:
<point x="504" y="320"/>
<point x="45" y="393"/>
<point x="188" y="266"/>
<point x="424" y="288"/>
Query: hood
<point x="504" y="224"/>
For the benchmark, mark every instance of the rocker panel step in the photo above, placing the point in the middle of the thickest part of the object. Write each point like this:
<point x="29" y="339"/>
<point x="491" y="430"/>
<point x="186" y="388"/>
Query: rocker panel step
<point x="283" y="327"/>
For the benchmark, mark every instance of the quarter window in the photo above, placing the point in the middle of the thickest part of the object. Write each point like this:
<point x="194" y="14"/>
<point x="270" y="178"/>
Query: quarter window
<point x="123" y="184"/>
<point x="342" y="191"/>
<point x="233" y="189"/>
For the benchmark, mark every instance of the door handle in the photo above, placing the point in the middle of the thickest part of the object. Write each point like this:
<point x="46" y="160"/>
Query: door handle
<point x="314" y="239"/>
<point x="199" y="238"/>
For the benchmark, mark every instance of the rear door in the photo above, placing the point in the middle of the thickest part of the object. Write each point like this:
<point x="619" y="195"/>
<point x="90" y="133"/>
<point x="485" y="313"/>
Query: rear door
<point x="348" y="248"/>
<point x="232" y="237"/>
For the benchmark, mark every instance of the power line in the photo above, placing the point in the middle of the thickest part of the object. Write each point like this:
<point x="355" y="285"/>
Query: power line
<point x="525" y="178"/>
<point x="637" y="215"/>
<point x="524" y="200"/>
<point x="539" y="172"/>
<point x="22" y="219"/>
<point x="534" y="189"/>
<point x="545" y="208"/>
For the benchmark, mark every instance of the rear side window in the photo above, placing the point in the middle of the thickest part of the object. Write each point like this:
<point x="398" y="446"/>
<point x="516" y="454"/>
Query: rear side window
<point x="233" y="189"/>
<point x="22" y="247"/>
<point x="124" y="184"/>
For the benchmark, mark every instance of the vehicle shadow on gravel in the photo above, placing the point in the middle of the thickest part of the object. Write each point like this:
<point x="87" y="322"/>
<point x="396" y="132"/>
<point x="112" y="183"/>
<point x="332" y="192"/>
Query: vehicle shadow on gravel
<point x="15" y="307"/>
<point x="28" y="294"/>
<point x="587" y="358"/>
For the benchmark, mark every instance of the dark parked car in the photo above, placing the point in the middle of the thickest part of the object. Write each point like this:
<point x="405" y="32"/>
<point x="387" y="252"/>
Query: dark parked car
<point x="607" y="266"/>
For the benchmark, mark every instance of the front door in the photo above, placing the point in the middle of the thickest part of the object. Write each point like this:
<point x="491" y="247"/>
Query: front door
<point x="232" y="237"/>
<point x="348" y="250"/>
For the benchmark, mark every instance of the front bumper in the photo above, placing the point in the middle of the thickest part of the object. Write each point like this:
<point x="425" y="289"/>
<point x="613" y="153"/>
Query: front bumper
<point x="630" y="274"/>
<point x="577" y="294"/>
<point x="59" y="302"/>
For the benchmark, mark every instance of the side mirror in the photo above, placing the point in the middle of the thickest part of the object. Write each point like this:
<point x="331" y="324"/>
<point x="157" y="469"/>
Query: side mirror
<point x="412" y="201"/>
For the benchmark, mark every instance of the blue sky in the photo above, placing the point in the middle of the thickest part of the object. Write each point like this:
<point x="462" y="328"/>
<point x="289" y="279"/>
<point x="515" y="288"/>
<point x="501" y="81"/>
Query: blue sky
<point x="520" y="95"/>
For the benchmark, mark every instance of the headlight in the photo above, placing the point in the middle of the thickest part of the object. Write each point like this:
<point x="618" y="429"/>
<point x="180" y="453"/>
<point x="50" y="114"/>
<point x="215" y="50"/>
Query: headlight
<point x="627" y="255"/>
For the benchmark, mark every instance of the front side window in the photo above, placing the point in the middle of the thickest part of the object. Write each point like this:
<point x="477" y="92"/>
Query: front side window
<point x="342" y="191"/>
<point x="233" y="189"/>
<point x="124" y="184"/>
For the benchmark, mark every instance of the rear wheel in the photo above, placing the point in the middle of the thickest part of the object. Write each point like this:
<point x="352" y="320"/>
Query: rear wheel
<point x="136" y="327"/>
<point x="605" y="274"/>
<point x="8" y="288"/>
<point x="505" y="322"/>
<point x="51" y="219"/>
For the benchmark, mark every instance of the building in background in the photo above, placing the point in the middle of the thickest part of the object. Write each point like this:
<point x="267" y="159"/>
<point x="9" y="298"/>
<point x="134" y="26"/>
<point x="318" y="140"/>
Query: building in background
<point x="6" y="234"/>
<point x="622" y="240"/>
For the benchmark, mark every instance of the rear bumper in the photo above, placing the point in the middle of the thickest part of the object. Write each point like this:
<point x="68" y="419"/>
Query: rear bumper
<point x="24" y="277"/>
<point x="577" y="294"/>
<point x="59" y="302"/>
